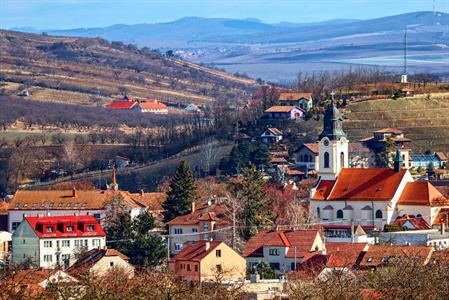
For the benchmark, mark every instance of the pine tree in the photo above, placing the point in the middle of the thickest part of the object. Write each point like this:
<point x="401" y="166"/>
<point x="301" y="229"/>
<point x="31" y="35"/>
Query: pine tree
<point x="256" y="211"/>
<point x="182" y="193"/>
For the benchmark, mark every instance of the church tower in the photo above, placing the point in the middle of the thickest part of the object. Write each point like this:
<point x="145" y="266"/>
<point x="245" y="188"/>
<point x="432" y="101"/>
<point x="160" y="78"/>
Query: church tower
<point x="333" y="145"/>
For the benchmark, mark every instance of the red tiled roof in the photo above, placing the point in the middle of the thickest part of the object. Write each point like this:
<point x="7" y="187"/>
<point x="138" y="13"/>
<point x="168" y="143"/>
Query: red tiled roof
<point x="197" y="251"/>
<point x="281" y="109"/>
<point x="323" y="190"/>
<point x="152" y="104"/>
<point x="379" y="254"/>
<point x="418" y="222"/>
<point x="344" y="254"/>
<point x="363" y="184"/>
<point x="441" y="156"/>
<point x="441" y="217"/>
<point x="422" y="193"/>
<point x="294" y="96"/>
<point x="121" y="105"/>
<point x="219" y="211"/>
<point x="90" y="258"/>
<point x="302" y="240"/>
<point x="36" y="222"/>
<point x="389" y="130"/>
<point x="278" y="160"/>
<point x="311" y="146"/>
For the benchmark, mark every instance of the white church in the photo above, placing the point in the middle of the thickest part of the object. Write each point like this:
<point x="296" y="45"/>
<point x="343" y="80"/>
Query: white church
<point x="367" y="196"/>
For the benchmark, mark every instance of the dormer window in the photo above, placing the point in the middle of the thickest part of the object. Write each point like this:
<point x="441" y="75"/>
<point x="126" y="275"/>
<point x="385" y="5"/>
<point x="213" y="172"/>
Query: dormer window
<point x="369" y="259"/>
<point x="90" y="227"/>
<point x="59" y="204"/>
<point x="43" y="205"/>
<point x="34" y="205"/>
<point x="25" y="205"/>
<point x="70" y="228"/>
<point x="273" y="252"/>
<point x="84" y="204"/>
<point x="17" y="205"/>
<point x="49" y="228"/>
<point x="69" y="204"/>
<point x="77" y="204"/>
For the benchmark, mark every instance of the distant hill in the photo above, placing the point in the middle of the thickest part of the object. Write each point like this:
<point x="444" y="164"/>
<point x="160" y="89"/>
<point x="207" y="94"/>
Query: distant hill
<point x="92" y="71"/>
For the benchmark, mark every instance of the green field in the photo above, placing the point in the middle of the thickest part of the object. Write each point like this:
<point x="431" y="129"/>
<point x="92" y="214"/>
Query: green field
<point x="424" y="121"/>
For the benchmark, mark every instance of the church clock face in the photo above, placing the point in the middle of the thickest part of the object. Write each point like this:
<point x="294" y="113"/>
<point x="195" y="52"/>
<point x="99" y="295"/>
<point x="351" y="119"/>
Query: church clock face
<point x="326" y="143"/>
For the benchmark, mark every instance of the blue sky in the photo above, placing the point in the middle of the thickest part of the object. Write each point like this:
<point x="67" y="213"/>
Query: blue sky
<point x="62" y="14"/>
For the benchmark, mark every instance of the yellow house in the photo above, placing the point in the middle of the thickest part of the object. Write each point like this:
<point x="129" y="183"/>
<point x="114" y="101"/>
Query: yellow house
<point x="208" y="261"/>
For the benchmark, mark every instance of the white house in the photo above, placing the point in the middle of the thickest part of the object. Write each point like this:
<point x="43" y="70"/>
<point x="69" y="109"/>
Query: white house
<point x="302" y="100"/>
<point x="366" y="196"/>
<point x="5" y="239"/>
<point x="285" y="112"/>
<point x="282" y="250"/>
<point x="152" y="106"/>
<point x="49" y="242"/>
<point x="271" y="136"/>
<point x="193" y="108"/>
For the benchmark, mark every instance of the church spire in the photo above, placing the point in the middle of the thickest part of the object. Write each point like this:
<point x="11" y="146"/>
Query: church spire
<point x="333" y="122"/>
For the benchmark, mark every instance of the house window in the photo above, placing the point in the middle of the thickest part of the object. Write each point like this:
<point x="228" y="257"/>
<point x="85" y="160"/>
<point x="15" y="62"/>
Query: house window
<point x="48" y="258"/>
<point x="194" y="230"/>
<point x="47" y="244"/>
<point x="178" y="230"/>
<point x="96" y="242"/>
<point x="292" y="266"/>
<point x="178" y="247"/>
<point x="65" y="257"/>
<point x="188" y="267"/>
<point x="70" y="228"/>
<point x="218" y="267"/>
<point x="49" y="228"/>
<point x="318" y="212"/>
<point x="273" y="252"/>
<point x="326" y="159"/>
<point x="342" y="159"/>
<point x="339" y="214"/>
<point x="66" y="243"/>
<point x="196" y="268"/>
<point x="218" y="253"/>
<point x="379" y="214"/>
<point x="111" y="264"/>
<point x="97" y="216"/>
<point x="90" y="227"/>
<point x="15" y="225"/>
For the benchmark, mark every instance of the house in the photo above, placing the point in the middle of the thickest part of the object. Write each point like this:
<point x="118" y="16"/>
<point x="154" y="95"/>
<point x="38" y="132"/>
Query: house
<point x="336" y="233"/>
<point x="285" y="113"/>
<point x="125" y="105"/>
<point x="383" y="137"/>
<point x="151" y="106"/>
<point x="79" y="202"/>
<point x="379" y="255"/>
<point x="359" y="156"/>
<point x="408" y="92"/>
<point x="99" y="262"/>
<point x="121" y="162"/>
<point x="31" y="283"/>
<point x="49" y="242"/>
<point x="435" y="160"/>
<point x="282" y="250"/>
<point x="193" y="108"/>
<point x="439" y="239"/>
<point x="271" y="136"/>
<point x="302" y="100"/>
<point x="196" y="226"/>
<point x="366" y="196"/>
<point x="207" y="260"/>
<point x="345" y="255"/>
<point x="5" y="240"/>
<point x="278" y="161"/>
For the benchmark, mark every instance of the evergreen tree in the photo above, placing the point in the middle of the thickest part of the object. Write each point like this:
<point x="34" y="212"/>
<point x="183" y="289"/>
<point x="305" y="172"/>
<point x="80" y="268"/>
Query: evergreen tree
<point x="135" y="239"/>
<point x="182" y="193"/>
<point x="260" y="155"/>
<point x="256" y="211"/>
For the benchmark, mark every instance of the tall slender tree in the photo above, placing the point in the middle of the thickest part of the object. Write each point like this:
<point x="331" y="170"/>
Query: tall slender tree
<point x="182" y="192"/>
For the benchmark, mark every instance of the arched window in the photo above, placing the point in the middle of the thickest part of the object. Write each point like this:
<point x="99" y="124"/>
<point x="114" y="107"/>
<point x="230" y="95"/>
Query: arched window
<point x="379" y="214"/>
<point x="301" y="159"/>
<point x="310" y="158"/>
<point x="339" y="214"/>
<point x="342" y="160"/>
<point x="326" y="159"/>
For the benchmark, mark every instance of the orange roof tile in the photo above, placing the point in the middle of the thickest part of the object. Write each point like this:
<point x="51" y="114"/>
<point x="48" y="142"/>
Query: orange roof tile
<point x="281" y="109"/>
<point x="152" y="201"/>
<point x="311" y="146"/>
<point x="196" y="252"/>
<point x="278" y="160"/>
<point x="294" y="96"/>
<point x="418" y="222"/>
<point x="442" y="216"/>
<point x="219" y="210"/>
<point x="379" y="254"/>
<point x="152" y="104"/>
<point x="422" y="193"/>
<point x="363" y="184"/>
<point x="344" y="254"/>
<point x="301" y="240"/>
<point x="323" y="190"/>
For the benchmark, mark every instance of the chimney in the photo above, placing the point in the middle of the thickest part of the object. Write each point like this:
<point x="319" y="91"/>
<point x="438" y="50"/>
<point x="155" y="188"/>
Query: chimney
<point x="193" y="206"/>
<point x="442" y="228"/>
<point x="141" y="192"/>
<point x="74" y="192"/>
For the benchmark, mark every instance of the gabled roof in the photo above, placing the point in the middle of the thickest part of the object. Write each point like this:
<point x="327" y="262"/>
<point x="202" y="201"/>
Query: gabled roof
<point x="345" y="254"/>
<point x="389" y="130"/>
<point x="197" y="251"/>
<point x="422" y="193"/>
<point x="442" y="216"/>
<point x="279" y="160"/>
<point x="38" y="223"/>
<point x="441" y="156"/>
<point x="294" y="96"/>
<point x="313" y="147"/>
<point x="417" y="222"/>
<point x="379" y="254"/>
<point x="301" y="240"/>
<point x="202" y="213"/>
<point x="361" y="184"/>
<point x="152" y="201"/>
<point x="90" y="258"/>
<point x="152" y="104"/>
<point x="274" y="131"/>
<point x="425" y="157"/>
<point x="281" y="109"/>
<point x="122" y="105"/>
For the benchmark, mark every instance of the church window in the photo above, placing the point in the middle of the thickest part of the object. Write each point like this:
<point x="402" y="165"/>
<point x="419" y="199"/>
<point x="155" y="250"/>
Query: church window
<point x="342" y="159"/>
<point x="379" y="214"/>
<point x="326" y="159"/>
<point x="339" y="214"/>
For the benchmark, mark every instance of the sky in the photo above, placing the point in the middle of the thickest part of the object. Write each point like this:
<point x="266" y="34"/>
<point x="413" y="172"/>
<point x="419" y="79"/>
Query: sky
<point x="64" y="14"/>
